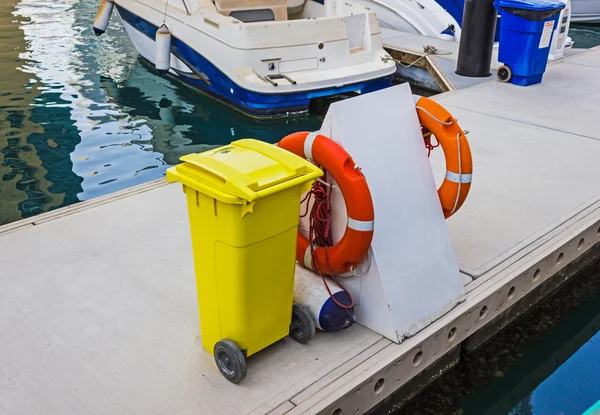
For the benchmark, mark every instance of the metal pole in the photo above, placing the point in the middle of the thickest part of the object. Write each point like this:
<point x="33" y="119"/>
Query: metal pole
<point x="477" y="38"/>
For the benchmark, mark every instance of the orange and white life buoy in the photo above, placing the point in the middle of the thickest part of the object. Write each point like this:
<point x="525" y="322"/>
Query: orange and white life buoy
<point x="459" y="165"/>
<point x="354" y="245"/>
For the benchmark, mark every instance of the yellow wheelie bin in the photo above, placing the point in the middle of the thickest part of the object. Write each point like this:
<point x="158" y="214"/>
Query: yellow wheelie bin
<point x="243" y="204"/>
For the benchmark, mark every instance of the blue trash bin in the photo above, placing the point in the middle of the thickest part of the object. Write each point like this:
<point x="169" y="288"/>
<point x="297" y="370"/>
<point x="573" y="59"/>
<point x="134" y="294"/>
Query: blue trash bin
<point x="525" y="38"/>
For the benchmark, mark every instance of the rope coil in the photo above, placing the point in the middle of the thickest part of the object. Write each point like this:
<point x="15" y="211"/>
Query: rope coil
<point x="319" y="232"/>
<point x="428" y="51"/>
<point x="459" y="174"/>
<point x="427" y="135"/>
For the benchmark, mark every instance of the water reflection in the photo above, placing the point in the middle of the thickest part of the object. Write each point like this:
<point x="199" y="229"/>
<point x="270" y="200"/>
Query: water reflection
<point x="585" y="35"/>
<point x="557" y="373"/>
<point x="82" y="116"/>
<point x="523" y="408"/>
<point x="23" y="187"/>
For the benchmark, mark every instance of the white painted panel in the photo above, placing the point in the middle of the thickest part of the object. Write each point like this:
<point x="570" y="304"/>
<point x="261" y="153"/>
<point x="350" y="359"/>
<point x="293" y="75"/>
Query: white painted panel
<point x="414" y="276"/>
<point x="298" y="65"/>
<point x="355" y="26"/>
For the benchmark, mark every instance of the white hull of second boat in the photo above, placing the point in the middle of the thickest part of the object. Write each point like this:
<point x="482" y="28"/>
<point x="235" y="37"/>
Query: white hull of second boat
<point x="425" y="17"/>
<point x="585" y="11"/>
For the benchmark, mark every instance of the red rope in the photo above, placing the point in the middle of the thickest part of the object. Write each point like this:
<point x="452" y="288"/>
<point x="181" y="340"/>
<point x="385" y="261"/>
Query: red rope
<point x="427" y="138"/>
<point x="319" y="232"/>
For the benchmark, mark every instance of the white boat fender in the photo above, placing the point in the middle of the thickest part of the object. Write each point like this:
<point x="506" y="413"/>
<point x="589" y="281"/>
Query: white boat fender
<point x="163" y="49"/>
<point x="103" y="16"/>
<point x="310" y="291"/>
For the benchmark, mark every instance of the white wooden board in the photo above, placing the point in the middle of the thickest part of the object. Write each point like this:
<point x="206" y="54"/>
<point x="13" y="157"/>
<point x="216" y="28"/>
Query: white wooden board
<point x="413" y="278"/>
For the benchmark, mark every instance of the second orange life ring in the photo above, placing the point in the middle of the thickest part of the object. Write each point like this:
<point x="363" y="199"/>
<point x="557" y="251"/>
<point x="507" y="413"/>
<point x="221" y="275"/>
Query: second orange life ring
<point x="354" y="245"/>
<point x="459" y="165"/>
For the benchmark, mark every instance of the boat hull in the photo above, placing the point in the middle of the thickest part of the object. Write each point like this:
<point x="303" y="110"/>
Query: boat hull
<point x="585" y="11"/>
<point x="586" y="18"/>
<point x="195" y="70"/>
<point x="427" y="17"/>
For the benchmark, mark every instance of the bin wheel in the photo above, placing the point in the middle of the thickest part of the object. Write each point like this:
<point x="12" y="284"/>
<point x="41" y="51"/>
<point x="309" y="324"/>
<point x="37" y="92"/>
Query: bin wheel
<point x="230" y="360"/>
<point x="504" y="73"/>
<point x="302" y="328"/>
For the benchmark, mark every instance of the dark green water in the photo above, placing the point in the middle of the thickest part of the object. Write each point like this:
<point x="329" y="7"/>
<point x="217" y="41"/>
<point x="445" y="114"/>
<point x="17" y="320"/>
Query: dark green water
<point x="547" y="363"/>
<point x="82" y="116"/>
<point x="585" y="36"/>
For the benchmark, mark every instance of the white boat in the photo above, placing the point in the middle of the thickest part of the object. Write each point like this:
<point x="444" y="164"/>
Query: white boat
<point x="425" y="17"/>
<point x="265" y="57"/>
<point x="585" y="11"/>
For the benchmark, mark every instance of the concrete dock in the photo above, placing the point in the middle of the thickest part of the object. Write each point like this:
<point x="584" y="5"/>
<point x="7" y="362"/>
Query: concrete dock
<point x="98" y="308"/>
<point x="435" y="71"/>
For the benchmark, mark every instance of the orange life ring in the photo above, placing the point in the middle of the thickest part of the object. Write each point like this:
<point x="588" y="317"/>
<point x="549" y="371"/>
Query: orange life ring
<point x="354" y="245"/>
<point x="459" y="165"/>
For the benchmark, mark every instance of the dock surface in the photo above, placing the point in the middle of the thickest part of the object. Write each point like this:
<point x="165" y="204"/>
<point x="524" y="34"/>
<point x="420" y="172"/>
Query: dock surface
<point x="443" y="62"/>
<point x="98" y="308"/>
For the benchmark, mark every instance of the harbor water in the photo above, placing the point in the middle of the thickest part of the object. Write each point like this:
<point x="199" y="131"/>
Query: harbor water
<point x="585" y="36"/>
<point x="546" y="363"/>
<point x="82" y="116"/>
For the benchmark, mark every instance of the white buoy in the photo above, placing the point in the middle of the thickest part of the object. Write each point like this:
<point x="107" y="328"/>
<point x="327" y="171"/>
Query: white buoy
<point x="163" y="50"/>
<point x="103" y="16"/>
<point x="310" y="291"/>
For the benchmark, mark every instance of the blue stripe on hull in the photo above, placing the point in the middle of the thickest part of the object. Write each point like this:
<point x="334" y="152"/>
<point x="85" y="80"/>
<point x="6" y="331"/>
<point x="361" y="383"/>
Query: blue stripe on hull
<point x="456" y="8"/>
<point x="226" y="90"/>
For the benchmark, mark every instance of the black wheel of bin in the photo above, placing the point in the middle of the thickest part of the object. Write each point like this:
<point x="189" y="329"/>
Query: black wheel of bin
<point x="230" y="360"/>
<point x="302" y="328"/>
<point x="504" y="73"/>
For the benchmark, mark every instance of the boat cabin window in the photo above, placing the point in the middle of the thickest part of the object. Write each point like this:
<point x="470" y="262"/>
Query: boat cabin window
<point x="248" y="16"/>
<point x="253" y="10"/>
<point x="295" y="6"/>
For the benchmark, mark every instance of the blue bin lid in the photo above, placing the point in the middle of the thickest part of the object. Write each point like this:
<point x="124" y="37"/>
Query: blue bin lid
<point x="541" y="5"/>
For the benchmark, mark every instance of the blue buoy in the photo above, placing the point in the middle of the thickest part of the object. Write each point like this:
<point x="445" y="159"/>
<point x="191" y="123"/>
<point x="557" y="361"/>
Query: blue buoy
<point x="310" y="291"/>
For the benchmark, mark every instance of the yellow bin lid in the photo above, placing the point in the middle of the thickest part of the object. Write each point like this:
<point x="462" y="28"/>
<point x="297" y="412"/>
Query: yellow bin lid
<point x="243" y="171"/>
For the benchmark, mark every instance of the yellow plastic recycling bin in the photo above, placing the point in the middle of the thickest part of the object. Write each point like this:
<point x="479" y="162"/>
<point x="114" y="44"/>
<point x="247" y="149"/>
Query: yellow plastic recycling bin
<point x="243" y="204"/>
